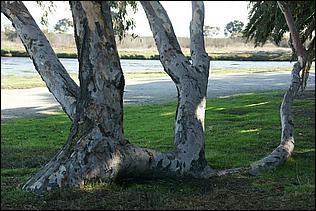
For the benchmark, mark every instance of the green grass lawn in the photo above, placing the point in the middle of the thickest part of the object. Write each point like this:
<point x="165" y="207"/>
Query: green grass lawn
<point x="239" y="130"/>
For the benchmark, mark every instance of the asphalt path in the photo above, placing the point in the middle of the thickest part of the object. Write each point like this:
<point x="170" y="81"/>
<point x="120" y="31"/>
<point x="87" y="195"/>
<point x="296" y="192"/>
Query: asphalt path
<point x="17" y="103"/>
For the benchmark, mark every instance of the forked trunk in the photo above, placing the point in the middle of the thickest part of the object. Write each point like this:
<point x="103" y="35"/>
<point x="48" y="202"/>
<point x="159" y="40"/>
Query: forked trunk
<point x="96" y="148"/>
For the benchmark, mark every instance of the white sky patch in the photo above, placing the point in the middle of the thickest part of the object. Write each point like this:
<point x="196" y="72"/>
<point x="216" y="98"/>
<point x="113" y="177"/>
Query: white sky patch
<point x="217" y="13"/>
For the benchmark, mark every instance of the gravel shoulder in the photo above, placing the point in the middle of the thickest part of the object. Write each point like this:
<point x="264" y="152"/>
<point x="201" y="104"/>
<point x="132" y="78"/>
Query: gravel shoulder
<point x="17" y="103"/>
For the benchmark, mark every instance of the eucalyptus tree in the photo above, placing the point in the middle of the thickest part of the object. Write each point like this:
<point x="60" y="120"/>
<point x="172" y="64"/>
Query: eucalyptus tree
<point x="96" y="147"/>
<point x="271" y="20"/>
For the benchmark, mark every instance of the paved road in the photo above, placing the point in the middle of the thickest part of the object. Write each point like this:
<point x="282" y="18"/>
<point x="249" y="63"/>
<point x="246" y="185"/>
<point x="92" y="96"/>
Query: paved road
<point x="38" y="101"/>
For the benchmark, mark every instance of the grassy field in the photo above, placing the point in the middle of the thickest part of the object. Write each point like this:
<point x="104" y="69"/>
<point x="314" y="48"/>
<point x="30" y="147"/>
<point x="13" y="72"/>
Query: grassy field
<point x="239" y="130"/>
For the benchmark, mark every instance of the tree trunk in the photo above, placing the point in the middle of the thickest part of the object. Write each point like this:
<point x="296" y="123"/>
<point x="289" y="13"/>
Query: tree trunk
<point x="98" y="122"/>
<point x="96" y="148"/>
<point x="190" y="80"/>
<point x="286" y="147"/>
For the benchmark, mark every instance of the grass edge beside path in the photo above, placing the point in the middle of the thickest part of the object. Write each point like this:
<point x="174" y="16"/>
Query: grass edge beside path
<point x="34" y="80"/>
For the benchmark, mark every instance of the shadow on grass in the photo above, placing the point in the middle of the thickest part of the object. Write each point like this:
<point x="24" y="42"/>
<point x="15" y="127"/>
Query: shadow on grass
<point x="290" y="187"/>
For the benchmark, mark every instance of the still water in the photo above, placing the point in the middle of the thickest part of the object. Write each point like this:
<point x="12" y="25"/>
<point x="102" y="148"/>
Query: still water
<point x="24" y="65"/>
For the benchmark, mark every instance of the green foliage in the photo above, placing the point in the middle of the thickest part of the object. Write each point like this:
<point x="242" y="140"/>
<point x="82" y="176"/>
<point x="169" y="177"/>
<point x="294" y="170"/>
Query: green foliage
<point x="233" y="28"/>
<point x="63" y="25"/>
<point x="210" y="31"/>
<point x="122" y="23"/>
<point x="47" y="8"/>
<point x="266" y="21"/>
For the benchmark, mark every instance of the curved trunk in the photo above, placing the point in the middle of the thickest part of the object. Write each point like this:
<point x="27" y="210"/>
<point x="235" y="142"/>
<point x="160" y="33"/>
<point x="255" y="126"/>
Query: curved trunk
<point x="286" y="147"/>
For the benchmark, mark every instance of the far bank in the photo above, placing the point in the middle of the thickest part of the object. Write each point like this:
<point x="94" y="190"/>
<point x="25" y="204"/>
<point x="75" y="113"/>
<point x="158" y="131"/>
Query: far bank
<point x="144" y="48"/>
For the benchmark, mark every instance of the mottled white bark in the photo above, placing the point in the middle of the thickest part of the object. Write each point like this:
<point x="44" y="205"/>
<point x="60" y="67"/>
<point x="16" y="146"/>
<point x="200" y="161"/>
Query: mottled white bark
<point x="190" y="80"/>
<point x="286" y="147"/>
<point x="96" y="148"/>
<point x="57" y="80"/>
<point x="90" y="152"/>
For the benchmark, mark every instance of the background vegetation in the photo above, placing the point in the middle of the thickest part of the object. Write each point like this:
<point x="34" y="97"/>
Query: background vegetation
<point x="233" y="48"/>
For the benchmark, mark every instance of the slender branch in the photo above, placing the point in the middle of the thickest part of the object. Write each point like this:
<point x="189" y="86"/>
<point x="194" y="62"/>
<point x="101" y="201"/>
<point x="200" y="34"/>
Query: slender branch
<point x="297" y="42"/>
<point x="166" y="41"/>
<point x="308" y="31"/>
<point x="198" y="54"/>
<point x="299" y="48"/>
<point x="47" y="64"/>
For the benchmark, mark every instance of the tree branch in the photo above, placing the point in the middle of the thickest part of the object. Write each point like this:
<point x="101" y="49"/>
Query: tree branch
<point x="47" y="64"/>
<point x="298" y="45"/>
<point x="198" y="54"/>
<point x="308" y="31"/>
<point x="169" y="49"/>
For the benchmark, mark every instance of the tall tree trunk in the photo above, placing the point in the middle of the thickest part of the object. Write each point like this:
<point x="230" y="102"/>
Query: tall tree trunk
<point x="57" y="80"/>
<point x="98" y="124"/>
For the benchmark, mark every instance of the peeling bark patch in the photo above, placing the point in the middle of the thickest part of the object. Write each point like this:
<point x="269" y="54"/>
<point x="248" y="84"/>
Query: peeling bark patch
<point x="57" y="177"/>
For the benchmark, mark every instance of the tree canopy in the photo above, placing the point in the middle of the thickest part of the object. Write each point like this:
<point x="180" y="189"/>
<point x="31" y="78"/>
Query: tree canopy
<point x="266" y="21"/>
<point x="63" y="25"/>
<point x="233" y="28"/>
<point x="210" y="31"/>
<point x="122" y="22"/>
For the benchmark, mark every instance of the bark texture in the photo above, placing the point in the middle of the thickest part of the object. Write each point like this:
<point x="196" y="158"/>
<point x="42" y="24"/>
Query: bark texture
<point x="57" y="80"/>
<point x="96" y="148"/>
<point x="286" y="147"/>
<point x="98" y="123"/>
<point x="297" y="43"/>
<point x="190" y="80"/>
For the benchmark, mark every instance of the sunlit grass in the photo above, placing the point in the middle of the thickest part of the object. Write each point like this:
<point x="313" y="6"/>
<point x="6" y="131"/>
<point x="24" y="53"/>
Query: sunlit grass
<point x="236" y="135"/>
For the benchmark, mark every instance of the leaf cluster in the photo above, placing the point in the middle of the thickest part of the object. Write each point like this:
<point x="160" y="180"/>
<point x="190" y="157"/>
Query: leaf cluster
<point x="266" y="21"/>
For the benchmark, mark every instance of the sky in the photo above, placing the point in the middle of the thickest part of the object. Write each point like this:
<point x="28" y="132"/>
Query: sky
<point x="217" y="13"/>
